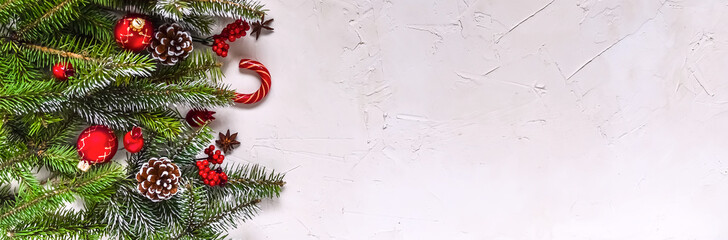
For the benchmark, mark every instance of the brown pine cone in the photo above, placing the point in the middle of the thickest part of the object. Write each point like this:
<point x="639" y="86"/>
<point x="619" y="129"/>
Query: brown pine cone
<point x="171" y="44"/>
<point x="158" y="179"/>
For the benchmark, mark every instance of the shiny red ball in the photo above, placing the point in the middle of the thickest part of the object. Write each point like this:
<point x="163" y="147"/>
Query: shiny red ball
<point x="63" y="70"/>
<point x="97" y="144"/>
<point x="133" y="32"/>
<point x="133" y="140"/>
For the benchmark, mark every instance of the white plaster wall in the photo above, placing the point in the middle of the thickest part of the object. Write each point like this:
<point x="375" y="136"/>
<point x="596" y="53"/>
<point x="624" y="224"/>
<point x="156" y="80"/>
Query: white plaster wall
<point x="490" y="119"/>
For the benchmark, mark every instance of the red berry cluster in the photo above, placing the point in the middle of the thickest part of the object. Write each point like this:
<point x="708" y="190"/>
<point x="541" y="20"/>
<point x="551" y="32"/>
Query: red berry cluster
<point x="231" y="32"/>
<point x="212" y="177"/>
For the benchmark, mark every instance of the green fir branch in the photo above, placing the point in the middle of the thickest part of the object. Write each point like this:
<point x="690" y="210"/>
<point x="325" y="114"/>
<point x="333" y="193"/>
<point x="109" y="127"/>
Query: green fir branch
<point x="249" y="180"/>
<point x="40" y="116"/>
<point x="88" y="186"/>
<point x="222" y="217"/>
<point x="228" y="8"/>
<point x="63" y="224"/>
<point x="48" y="17"/>
<point x="189" y="145"/>
<point x="27" y="97"/>
<point x="94" y="23"/>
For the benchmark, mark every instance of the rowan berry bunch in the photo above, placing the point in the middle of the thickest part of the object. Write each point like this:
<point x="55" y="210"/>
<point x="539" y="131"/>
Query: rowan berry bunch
<point x="212" y="177"/>
<point x="230" y="33"/>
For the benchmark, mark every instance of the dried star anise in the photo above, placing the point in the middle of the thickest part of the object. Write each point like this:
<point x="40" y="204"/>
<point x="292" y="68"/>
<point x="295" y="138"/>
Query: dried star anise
<point x="227" y="142"/>
<point x="260" y="25"/>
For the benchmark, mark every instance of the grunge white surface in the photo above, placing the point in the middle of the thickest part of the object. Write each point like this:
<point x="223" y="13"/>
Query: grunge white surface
<point x="489" y="119"/>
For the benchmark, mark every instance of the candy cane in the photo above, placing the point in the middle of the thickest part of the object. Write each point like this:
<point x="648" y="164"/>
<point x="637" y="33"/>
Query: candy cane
<point x="264" y="87"/>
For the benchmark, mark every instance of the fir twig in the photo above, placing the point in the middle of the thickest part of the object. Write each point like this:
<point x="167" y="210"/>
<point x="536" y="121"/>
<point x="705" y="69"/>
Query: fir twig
<point x="61" y="53"/>
<point x="44" y="17"/>
<point x="256" y="11"/>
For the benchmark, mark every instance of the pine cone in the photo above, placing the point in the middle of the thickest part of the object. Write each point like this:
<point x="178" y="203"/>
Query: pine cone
<point x="158" y="179"/>
<point x="171" y="44"/>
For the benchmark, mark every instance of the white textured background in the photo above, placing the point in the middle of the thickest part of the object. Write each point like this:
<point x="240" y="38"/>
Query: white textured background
<point x="490" y="119"/>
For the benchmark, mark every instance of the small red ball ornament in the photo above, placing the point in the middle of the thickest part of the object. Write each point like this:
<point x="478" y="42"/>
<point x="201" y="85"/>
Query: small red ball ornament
<point x="96" y="144"/>
<point x="63" y="70"/>
<point x="133" y="140"/>
<point x="198" y="117"/>
<point x="133" y="32"/>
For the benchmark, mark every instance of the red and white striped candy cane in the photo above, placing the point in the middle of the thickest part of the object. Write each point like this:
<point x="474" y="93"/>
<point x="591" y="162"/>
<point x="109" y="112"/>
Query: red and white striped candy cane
<point x="264" y="87"/>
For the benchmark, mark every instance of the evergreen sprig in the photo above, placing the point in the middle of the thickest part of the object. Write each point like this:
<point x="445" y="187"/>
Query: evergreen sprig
<point x="46" y="17"/>
<point x="63" y="224"/>
<point x="40" y="118"/>
<point x="32" y="205"/>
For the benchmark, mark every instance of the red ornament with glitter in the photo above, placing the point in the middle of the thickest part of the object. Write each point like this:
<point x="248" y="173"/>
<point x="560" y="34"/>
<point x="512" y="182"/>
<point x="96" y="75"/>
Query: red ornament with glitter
<point x="133" y="32"/>
<point x="199" y="117"/>
<point x="96" y="144"/>
<point x="133" y="140"/>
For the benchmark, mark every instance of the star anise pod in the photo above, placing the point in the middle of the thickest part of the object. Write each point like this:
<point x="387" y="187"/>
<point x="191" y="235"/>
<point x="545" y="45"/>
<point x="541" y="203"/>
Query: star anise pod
<point x="227" y="142"/>
<point x="260" y="25"/>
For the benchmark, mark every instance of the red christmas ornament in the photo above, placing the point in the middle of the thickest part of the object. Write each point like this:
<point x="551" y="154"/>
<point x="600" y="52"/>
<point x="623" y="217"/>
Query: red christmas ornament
<point x="96" y="144"/>
<point x="198" y="117"/>
<point x="133" y="32"/>
<point x="63" y="70"/>
<point x="133" y="140"/>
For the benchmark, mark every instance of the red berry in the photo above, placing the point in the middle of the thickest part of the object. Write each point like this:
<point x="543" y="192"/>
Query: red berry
<point x="205" y="162"/>
<point x="221" y="158"/>
<point x="224" y="54"/>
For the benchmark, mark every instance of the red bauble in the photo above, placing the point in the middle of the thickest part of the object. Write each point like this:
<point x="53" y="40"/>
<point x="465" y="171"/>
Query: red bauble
<point x="96" y="144"/>
<point x="198" y="118"/>
<point x="133" y="32"/>
<point x="63" y="70"/>
<point x="133" y="140"/>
